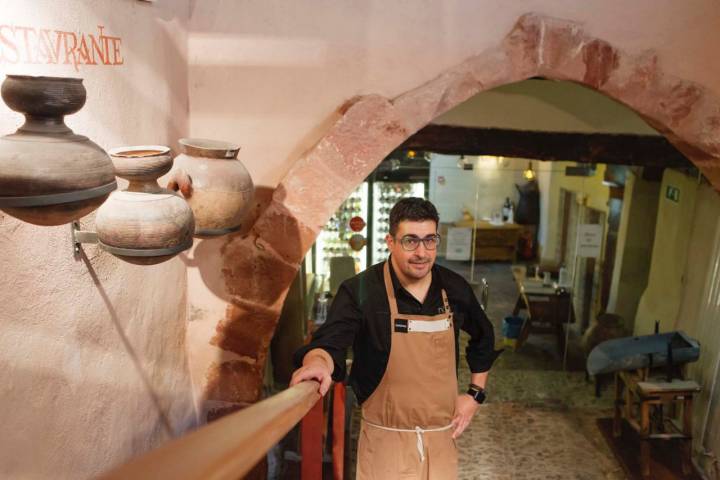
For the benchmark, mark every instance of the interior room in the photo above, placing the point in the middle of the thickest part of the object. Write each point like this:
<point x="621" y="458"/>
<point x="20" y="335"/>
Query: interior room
<point x="185" y="186"/>
<point x="518" y="266"/>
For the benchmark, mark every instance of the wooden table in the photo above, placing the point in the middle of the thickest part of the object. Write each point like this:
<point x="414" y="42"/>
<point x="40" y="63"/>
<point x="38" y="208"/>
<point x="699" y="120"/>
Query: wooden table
<point x="548" y="308"/>
<point x="644" y="393"/>
<point x="494" y="242"/>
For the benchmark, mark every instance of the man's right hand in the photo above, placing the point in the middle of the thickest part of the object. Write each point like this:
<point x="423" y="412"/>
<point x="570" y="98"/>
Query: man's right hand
<point x="317" y="365"/>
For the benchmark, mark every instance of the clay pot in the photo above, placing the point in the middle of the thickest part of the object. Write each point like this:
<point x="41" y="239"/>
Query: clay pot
<point x="217" y="186"/>
<point x="144" y="224"/>
<point x="48" y="174"/>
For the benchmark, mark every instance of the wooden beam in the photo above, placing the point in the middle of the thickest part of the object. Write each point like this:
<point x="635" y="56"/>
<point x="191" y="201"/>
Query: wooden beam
<point x="618" y="149"/>
<point x="228" y="448"/>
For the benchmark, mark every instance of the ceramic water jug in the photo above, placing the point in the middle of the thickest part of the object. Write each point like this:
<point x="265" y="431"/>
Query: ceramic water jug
<point x="215" y="183"/>
<point x="144" y="223"/>
<point x="48" y="174"/>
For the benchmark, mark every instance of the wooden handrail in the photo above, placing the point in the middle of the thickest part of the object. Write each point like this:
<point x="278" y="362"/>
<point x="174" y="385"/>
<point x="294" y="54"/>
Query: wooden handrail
<point x="227" y="448"/>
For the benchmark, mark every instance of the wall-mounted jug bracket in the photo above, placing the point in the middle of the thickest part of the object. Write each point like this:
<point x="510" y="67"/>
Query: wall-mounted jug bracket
<point x="80" y="236"/>
<point x="84" y="236"/>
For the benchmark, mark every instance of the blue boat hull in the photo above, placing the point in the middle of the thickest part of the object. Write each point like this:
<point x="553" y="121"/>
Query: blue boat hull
<point x="630" y="353"/>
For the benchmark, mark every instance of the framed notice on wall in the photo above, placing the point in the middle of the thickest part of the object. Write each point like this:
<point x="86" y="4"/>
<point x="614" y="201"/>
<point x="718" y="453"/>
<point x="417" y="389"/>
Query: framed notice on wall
<point x="459" y="243"/>
<point x="589" y="238"/>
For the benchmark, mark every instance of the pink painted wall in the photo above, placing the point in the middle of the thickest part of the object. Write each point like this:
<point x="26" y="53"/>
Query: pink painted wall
<point x="93" y="368"/>
<point x="270" y="74"/>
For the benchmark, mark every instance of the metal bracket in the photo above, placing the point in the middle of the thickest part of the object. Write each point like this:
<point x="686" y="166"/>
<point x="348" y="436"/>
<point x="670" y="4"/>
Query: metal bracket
<point x="81" y="236"/>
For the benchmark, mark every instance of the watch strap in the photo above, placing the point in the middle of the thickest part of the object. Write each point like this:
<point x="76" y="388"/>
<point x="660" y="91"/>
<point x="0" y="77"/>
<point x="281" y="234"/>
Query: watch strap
<point x="478" y="393"/>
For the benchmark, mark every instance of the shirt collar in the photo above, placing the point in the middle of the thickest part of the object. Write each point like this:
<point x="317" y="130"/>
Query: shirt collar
<point x="397" y="287"/>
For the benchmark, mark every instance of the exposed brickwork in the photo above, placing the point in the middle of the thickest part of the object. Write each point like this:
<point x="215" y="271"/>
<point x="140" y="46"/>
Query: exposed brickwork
<point x="284" y="232"/>
<point x="234" y="381"/>
<point x="246" y="330"/>
<point x="254" y="272"/>
<point x="600" y="60"/>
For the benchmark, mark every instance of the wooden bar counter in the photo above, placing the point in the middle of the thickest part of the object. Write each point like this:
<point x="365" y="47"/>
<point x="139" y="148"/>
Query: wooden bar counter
<point x="494" y="242"/>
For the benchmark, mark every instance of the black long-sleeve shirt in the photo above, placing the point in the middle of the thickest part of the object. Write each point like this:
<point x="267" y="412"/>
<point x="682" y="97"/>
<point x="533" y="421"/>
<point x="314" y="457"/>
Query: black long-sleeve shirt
<point x="360" y="317"/>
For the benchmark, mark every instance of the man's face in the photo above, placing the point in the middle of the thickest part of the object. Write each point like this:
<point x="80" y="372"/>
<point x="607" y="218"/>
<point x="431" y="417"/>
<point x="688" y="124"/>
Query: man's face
<point x="416" y="263"/>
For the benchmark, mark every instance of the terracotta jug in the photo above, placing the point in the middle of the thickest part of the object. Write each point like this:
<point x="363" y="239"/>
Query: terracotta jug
<point x="215" y="183"/>
<point x="48" y="174"/>
<point x="144" y="224"/>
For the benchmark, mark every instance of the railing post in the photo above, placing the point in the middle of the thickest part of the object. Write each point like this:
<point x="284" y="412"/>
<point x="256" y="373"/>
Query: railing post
<point x="338" y="431"/>
<point x="311" y="443"/>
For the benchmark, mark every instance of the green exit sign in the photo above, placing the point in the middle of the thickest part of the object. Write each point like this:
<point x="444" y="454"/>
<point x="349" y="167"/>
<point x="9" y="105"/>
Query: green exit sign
<point x="673" y="193"/>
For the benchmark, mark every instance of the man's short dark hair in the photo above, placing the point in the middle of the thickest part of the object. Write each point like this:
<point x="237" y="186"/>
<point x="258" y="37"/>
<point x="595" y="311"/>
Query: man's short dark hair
<point x="413" y="209"/>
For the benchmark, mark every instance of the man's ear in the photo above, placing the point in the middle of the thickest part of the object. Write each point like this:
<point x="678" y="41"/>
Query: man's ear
<point x="389" y="240"/>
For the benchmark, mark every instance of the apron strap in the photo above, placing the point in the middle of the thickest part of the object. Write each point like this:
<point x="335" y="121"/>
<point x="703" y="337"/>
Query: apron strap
<point x="446" y="302"/>
<point x="390" y="290"/>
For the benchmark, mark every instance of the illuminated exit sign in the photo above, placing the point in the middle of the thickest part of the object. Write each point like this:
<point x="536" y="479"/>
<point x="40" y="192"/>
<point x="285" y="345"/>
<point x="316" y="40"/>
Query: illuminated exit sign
<point x="673" y="193"/>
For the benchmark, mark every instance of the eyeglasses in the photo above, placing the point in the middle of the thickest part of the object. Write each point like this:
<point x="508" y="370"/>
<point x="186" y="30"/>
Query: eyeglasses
<point x="411" y="242"/>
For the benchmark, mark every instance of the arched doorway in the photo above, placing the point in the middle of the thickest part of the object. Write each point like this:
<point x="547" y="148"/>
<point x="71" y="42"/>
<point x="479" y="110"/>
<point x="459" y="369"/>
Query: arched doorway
<point x="260" y="265"/>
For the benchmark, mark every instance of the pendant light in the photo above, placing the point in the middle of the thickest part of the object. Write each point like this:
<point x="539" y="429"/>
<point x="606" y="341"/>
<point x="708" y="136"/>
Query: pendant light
<point x="529" y="173"/>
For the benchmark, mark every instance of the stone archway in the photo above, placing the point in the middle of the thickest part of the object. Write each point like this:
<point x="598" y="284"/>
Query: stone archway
<point x="259" y="266"/>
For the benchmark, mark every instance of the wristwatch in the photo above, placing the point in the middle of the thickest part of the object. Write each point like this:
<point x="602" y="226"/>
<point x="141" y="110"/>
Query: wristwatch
<point x="478" y="393"/>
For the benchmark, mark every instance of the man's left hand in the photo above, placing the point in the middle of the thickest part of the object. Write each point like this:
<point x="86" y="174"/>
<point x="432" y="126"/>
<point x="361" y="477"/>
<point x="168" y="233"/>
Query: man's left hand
<point x="465" y="408"/>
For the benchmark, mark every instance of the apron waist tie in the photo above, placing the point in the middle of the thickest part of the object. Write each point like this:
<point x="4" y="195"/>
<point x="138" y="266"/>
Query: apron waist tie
<point x="417" y="430"/>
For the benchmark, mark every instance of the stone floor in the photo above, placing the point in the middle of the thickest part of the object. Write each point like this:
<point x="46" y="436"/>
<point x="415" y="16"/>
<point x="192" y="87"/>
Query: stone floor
<point x="539" y="421"/>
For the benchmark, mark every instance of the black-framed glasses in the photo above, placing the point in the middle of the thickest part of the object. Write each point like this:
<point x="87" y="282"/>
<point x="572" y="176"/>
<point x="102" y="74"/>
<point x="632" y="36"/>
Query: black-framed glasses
<point x="412" y="242"/>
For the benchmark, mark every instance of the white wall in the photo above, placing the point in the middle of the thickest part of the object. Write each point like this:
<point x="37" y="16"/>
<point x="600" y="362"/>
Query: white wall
<point x="93" y="365"/>
<point x="492" y="179"/>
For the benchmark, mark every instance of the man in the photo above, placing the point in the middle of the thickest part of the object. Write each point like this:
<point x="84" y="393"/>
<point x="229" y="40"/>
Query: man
<point x="402" y="319"/>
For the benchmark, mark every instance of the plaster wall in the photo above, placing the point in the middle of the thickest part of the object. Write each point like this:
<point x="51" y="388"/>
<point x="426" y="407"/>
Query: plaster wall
<point x="698" y="310"/>
<point x="93" y="365"/>
<point x="667" y="279"/>
<point x="634" y="247"/>
<point x="271" y="75"/>
<point x="546" y="106"/>
<point x="699" y="316"/>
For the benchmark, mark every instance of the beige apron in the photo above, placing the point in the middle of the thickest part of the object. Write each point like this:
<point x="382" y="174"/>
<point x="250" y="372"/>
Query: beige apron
<point x="406" y="430"/>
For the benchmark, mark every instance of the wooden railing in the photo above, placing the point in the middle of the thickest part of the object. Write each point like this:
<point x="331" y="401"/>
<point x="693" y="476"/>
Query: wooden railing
<point x="229" y="448"/>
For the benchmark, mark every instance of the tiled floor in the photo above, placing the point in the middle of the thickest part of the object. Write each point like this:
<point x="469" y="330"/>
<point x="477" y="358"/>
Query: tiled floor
<point x="539" y="421"/>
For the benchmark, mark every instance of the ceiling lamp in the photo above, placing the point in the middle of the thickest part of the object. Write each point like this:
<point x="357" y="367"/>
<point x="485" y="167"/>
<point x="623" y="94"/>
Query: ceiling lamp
<point x="529" y="173"/>
<point x="48" y="174"/>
